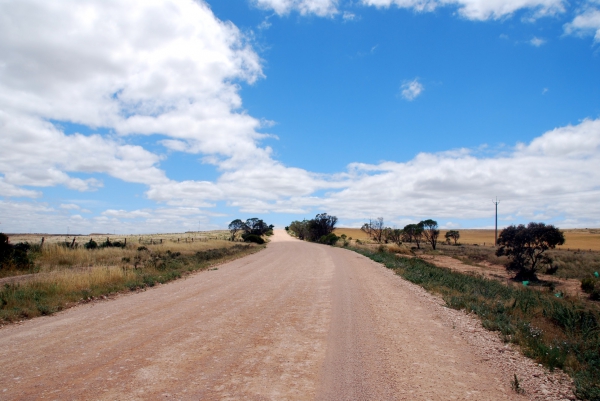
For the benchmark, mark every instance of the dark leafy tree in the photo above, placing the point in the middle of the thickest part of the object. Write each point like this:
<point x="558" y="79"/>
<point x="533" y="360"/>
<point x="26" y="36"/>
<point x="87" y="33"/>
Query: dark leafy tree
<point x="256" y="226"/>
<point x="314" y="229"/>
<point x="452" y="234"/>
<point x="430" y="231"/>
<point x="321" y="225"/>
<point x="393" y="235"/>
<point x="6" y="250"/>
<point x="235" y="226"/>
<point x="14" y="256"/>
<point x="525" y="247"/>
<point x="299" y="228"/>
<point x="413" y="233"/>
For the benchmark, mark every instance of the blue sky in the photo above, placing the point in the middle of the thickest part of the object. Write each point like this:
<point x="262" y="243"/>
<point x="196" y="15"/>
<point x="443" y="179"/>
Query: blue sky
<point x="166" y="116"/>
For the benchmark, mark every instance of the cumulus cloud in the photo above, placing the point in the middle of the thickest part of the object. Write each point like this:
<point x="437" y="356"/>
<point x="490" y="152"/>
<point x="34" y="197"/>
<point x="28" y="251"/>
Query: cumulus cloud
<point x="137" y="67"/>
<point x="348" y="16"/>
<point x="322" y="8"/>
<point x="132" y="68"/>
<point x="40" y="218"/>
<point x="478" y="9"/>
<point x="10" y="190"/>
<point x="70" y="206"/>
<point x="586" y="23"/>
<point x="412" y="89"/>
<point x="537" y="42"/>
<point x="556" y="173"/>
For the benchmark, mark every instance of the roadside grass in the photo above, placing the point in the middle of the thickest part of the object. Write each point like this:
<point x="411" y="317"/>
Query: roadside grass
<point x="570" y="264"/>
<point x="56" y="256"/>
<point x="57" y="289"/>
<point x="575" y="264"/>
<point x="559" y="333"/>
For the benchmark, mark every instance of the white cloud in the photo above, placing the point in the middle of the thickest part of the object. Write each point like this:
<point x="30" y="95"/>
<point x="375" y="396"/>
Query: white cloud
<point x="348" y="16"/>
<point x="412" y="89"/>
<point x="136" y="67"/>
<point x="34" y="152"/>
<point x="10" y="190"/>
<point x="322" y="8"/>
<point x="478" y="9"/>
<point x="586" y="23"/>
<point x="70" y="206"/>
<point x="557" y="174"/>
<point x="143" y="67"/>
<point x="537" y="42"/>
<point x="554" y="177"/>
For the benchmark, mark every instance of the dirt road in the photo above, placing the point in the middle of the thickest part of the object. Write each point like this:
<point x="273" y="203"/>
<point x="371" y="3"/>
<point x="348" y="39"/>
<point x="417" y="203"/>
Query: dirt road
<point x="296" y="321"/>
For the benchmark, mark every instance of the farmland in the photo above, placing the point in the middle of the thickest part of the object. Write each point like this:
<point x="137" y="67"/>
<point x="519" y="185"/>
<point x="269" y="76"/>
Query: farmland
<point x="583" y="239"/>
<point x="61" y="273"/>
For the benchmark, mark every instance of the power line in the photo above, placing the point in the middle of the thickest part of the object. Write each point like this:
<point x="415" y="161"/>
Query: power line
<point x="496" y="202"/>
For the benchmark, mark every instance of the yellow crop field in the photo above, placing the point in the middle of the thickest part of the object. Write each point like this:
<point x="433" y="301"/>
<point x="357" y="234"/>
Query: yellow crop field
<point x="583" y="239"/>
<point x="354" y="233"/>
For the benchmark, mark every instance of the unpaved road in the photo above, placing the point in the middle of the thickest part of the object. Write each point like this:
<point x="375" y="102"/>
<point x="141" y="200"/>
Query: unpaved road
<point x="296" y="321"/>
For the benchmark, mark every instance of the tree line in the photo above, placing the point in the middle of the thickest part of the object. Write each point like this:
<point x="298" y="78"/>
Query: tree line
<point x="320" y="229"/>
<point x="425" y="231"/>
<point x="524" y="246"/>
<point x="252" y="230"/>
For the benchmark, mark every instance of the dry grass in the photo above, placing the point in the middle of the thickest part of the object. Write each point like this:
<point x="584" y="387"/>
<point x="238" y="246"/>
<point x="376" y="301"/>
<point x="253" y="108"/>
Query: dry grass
<point x="473" y="236"/>
<point x="65" y="276"/>
<point x="133" y="239"/>
<point x="55" y="256"/>
<point x="355" y="233"/>
<point x="583" y="239"/>
<point x="81" y="280"/>
<point x="557" y="332"/>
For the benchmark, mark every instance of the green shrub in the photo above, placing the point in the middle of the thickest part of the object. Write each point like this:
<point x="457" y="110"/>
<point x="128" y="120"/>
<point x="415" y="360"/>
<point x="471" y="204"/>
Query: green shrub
<point x="254" y="238"/>
<point x="16" y="256"/>
<point x="329" y="239"/>
<point x="91" y="244"/>
<point x="588" y="284"/>
<point x="557" y="332"/>
<point x="34" y="298"/>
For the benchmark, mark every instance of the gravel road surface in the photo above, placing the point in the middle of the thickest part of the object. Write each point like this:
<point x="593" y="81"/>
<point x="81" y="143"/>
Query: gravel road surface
<point x="297" y="321"/>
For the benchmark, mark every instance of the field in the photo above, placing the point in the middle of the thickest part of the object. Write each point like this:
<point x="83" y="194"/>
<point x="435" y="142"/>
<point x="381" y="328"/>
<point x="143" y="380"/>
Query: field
<point x="577" y="260"/>
<point x="58" y="254"/>
<point x="58" y="275"/>
<point x="575" y="239"/>
<point x="554" y="331"/>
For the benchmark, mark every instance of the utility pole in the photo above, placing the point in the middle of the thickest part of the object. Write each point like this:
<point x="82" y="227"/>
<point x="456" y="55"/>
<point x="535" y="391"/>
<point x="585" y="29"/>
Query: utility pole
<point x="496" y="202"/>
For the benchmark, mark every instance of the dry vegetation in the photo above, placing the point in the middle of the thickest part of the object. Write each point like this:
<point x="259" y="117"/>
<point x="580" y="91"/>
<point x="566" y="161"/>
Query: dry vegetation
<point x="557" y="332"/>
<point x="56" y="256"/>
<point x="576" y="239"/>
<point x="476" y="255"/>
<point x="59" y="276"/>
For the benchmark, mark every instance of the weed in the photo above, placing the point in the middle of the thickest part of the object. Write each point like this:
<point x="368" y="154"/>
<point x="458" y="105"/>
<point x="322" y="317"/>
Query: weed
<point x="557" y="332"/>
<point x="516" y="386"/>
<point x="54" y="290"/>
